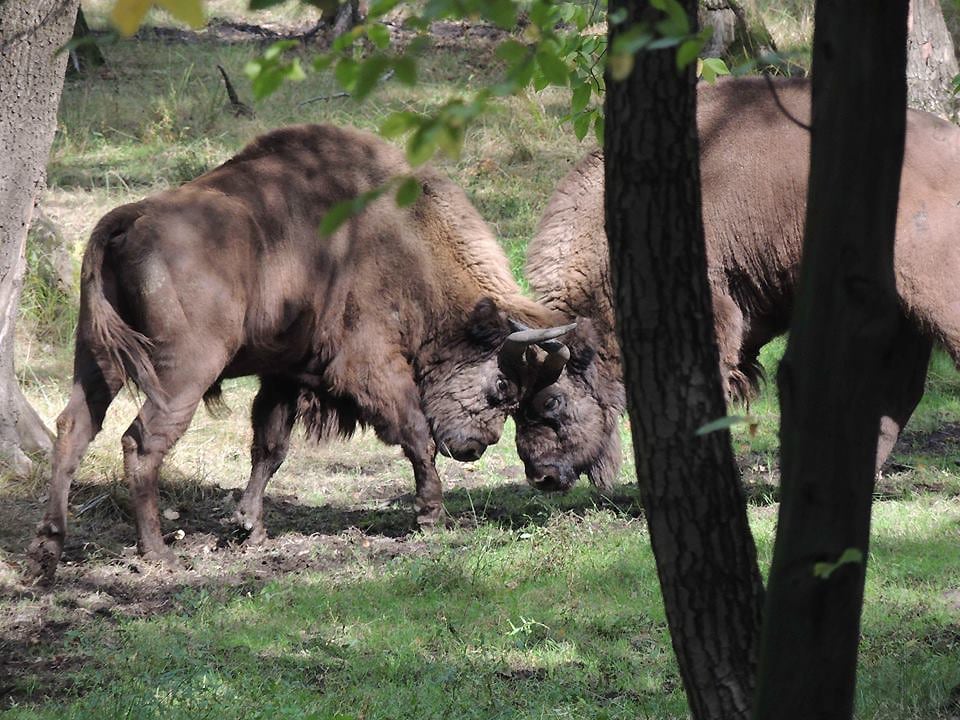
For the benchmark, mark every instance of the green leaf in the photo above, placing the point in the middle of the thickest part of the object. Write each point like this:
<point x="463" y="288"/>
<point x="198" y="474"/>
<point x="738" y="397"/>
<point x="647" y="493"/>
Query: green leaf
<point x="368" y="73"/>
<point x="423" y="143"/>
<point x="378" y="8"/>
<point x="676" y="24"/>
<point x="398" y="123"/>
<point x="554" y="69"/>
<point x="665" y="42"/>
<point x="511" y="51"/>
<point x="346" y="40"/>
<point x="543" y="14"/>
<point x="127" y="15"/>
<point x="322" y="62"/>
<point x="724" y="423"/>
<point x="346" y="73"/>
<point x="294" y="71"/>
<point x="264" y="4"/>
<point x="406" y="69"/>
<point x="630" y="41"/>
<point x="598" y="124"/>
<point x="850" y="556"/>
<point x="687" y="52"/>
<point x="189" y="11"/>
<point x="408" y="192"/>
<point x="618" y="16"/>
<point x="336" y="216"/>
<point x="580" y="98"/>
<point x="379" y="35"/>
<point x="581" y="124"/>
<point x="276" y="49"/>
<point x="620" y="65"/>
<point x="712" y="67"/>
<point x="500" y="12"/>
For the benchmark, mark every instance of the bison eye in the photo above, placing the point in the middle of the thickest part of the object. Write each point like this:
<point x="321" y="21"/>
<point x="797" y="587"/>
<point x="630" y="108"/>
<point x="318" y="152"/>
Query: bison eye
<point x="551" y="403"/>
<point x="502" y="386"/>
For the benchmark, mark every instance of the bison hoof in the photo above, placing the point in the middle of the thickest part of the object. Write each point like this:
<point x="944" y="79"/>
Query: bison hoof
<point x="44" y="553"/>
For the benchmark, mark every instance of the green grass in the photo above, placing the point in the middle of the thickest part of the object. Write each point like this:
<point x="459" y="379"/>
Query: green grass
<point x="563" y="620"/>
<point x="532" y="606"/>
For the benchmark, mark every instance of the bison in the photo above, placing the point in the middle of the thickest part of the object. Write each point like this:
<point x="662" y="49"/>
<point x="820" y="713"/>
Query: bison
<point x="754" y="158"/>
<point x="400" y="319"/>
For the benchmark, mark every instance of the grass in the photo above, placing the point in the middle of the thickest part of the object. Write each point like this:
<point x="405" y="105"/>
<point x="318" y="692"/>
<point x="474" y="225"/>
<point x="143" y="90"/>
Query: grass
<point x="563" y="620"/>
<point x="530" y="606"/>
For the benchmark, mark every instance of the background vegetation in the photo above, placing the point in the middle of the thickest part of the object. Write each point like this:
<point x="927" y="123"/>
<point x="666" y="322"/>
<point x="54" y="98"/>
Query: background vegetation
<point x="528" y="606"/>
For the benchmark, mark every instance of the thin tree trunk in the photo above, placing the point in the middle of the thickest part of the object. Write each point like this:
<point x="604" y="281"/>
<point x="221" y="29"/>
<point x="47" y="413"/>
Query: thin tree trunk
<point x="87" y="54"/>
<point x="31" y="78"/>
<point x="847" y="308"/>
<point x="739" y="33"/>
<point x="694" y="504"/>
<point x="931" y="60"/>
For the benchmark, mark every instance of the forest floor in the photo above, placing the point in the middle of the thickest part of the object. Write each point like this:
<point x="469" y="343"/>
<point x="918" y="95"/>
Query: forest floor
<point x="524" y="606"/>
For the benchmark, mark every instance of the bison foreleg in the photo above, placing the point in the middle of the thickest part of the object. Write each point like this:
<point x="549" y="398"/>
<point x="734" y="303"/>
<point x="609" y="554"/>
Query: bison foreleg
<point x="273" y="415"/>
<point x="77" y="425"/>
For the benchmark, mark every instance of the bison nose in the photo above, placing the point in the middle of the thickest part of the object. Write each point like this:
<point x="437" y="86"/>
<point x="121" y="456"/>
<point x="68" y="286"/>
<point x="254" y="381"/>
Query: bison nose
<point x="469" y="451"/>
<point x="551" y="480"/>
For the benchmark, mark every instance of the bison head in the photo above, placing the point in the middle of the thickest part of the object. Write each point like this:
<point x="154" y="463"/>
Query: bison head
<point x="568" y="418"/>
<point x="474" y="381"/>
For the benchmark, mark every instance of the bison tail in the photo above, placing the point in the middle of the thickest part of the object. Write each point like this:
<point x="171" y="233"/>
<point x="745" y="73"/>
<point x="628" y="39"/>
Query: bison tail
<point x="121" y="352"/>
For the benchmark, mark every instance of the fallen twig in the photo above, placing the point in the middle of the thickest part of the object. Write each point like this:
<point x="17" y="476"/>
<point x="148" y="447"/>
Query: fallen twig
<point x="386" y="76"/>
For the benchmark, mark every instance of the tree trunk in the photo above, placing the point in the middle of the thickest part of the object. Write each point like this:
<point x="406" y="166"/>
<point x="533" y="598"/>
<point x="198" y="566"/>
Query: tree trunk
<point x="31" y="78"/>
<point x="86" y="54"/>
<point x="931" y="60"/>
<point x="693" y="501"/>
<point x="739" y="33"/>
<point x="847" y="307"/>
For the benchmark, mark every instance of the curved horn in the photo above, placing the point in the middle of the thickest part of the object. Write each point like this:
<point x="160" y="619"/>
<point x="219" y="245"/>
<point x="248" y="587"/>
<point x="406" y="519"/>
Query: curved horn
<point x="511" y="354"/>
<point x="552" y="365"/>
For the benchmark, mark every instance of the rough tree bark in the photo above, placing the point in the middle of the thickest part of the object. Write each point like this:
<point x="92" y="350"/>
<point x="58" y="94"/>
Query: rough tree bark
<point x="693" y="501"/>
<point x="847" y="307"/>
<point x="31" y="78"/>
<point x="931" y="60"/>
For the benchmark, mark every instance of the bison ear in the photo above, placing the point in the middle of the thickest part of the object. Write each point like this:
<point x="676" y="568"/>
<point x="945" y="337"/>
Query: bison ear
<point x="583" y="346"/>
<point x="487" y="325"/>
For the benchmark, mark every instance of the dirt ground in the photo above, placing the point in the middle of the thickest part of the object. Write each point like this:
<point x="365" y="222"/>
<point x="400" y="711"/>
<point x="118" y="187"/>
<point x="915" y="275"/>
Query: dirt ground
<point x="101" y="577"/>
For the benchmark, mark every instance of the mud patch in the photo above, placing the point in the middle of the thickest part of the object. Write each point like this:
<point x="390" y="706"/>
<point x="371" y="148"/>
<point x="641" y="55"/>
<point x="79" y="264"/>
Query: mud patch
<point x="943" y="441"/>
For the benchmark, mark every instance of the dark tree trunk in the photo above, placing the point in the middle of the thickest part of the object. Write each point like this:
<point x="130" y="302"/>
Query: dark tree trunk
<point x="86" y="54"/>
<point x="691" y="490"/>
<point x="847" y="308"/>
<point x="31" y="77"/>
<point x="931" y="60"/>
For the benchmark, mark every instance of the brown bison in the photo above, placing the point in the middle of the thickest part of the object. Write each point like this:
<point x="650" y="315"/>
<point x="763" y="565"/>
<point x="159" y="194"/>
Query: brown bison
<point x="399" y="320"/>
<point x="754" y="157"/>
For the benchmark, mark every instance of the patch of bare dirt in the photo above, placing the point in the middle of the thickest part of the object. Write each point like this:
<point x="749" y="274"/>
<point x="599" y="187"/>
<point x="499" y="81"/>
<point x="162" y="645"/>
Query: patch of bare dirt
<point x="943" y="441"/>
<point x="102" y="578"/>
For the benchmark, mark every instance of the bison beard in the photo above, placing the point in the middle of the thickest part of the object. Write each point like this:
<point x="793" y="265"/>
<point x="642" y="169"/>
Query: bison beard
<point x="754" y="164"/>
<point x="399" y="320"/>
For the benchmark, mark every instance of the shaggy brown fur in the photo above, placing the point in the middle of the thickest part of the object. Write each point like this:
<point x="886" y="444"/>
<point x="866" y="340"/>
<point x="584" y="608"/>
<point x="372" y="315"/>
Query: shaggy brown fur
<point x="754" y="165"/>
<point x="394" y="321"/>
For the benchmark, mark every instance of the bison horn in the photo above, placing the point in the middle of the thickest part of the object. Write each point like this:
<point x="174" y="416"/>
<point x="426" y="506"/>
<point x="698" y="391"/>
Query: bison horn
<point x="553" y="364"/>
<point x="514" y="347"/>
